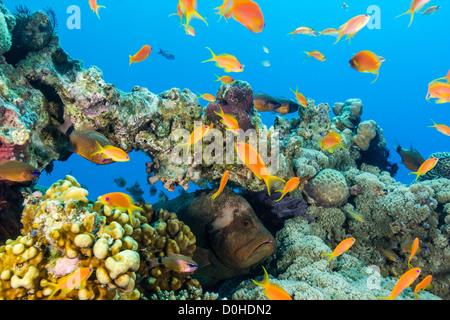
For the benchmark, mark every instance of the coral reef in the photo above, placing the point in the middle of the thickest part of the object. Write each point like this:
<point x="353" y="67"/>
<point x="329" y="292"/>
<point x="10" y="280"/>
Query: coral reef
<point x="63" y="230"/>
<point x="40" y="84"/>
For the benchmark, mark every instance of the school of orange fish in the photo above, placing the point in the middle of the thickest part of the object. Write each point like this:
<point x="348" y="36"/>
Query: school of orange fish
<point x="249" y="14"/>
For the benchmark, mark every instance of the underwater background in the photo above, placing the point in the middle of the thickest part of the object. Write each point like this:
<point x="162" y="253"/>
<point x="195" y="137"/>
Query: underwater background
<point x="396" y="101"/>
<point x="71" y="223"/>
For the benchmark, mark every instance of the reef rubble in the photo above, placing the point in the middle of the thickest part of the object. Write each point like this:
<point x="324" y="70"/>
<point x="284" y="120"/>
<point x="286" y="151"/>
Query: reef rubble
<point x="45" y="85"/>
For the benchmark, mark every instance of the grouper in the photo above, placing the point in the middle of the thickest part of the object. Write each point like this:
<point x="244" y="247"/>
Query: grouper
<point x="230" y="238"/>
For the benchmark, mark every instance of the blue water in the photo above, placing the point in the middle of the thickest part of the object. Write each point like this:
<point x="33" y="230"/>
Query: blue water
<point x="396" y="101"/>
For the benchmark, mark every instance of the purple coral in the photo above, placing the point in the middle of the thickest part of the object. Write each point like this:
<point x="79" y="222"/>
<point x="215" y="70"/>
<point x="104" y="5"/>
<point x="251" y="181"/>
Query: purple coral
<point x="235" y="99"/>
<point x="274" y="213"/>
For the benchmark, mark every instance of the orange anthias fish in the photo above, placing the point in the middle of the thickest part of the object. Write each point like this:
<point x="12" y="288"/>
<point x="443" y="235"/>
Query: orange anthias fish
<point x="315" y="54"/>
<point x="196" y="136"/>
<point x="300" y="98"/>
<point x="225" y="79"/>
<point x="272" y="290"/>
<point x="17" y="171"/>
<point x="111" y="153"/>
<point x="76" y="279"/>
<point x="207" y="97"/>
<point x="343" y="246"/>
<point x="352" y="26"/>
<point x="416" y="5"/>
<point x="329" y="32"/>
<point x="246" y="12"/>
<point x="188" y="9"/>
<point x="141" y="55"/>
<point x="94" y="6"/>
<point x="439" y="91"/>
<point x="226" y="61"/>
<point x="404" y="282"/>
<point x="303" y="30"/>
<point x="367" y="61"/>
<point x="423" y="285"/>
<point x="251" y="158"/>
<point x="414" y="247"/>
<point x="120" y="201"/>
<point x="331" y="141"/>
<point x="229" y="121"/>
<point x="441" y="128"/>
<point x="223" y="182"/>
<point x="290" y="186"/>
<point x="425" y="167"/>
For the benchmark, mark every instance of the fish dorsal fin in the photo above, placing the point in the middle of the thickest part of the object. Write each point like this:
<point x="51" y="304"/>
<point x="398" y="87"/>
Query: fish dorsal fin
<point x="175" y="204"/>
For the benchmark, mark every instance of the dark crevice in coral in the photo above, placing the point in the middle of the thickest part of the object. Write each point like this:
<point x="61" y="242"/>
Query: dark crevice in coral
<point x="32" y="32"/>
<point x="377" y="156"/>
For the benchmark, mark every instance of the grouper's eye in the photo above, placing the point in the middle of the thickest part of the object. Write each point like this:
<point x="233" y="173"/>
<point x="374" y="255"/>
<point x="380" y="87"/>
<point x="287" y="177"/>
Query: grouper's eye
<point x="245" y="223"/>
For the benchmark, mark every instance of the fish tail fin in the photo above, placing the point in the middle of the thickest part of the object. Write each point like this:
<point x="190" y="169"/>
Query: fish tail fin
<point x="269" y="179"/>
<point x="265" y="281"/>
<point x="56" y="288"/>
<point x="378" y="73"/>
<point x="213" y="55"/>
<point x="96" y="10"/>
<point x="416" y="173"/>
<point x="221" y="112"/>
<point x="435" y="125"/>
<point x="341" y="34"/>
<point x="131" y="60"/>
<point x="409" y="11"/>
<point x="131" y="209"/>
<point x="282" y="196"/>
<point x="214" y="196"/>
<point x="193" y="14"/>
<point x="328" y="254"/>
<point x="309" y="55"/>
<point x="99" y="150"/>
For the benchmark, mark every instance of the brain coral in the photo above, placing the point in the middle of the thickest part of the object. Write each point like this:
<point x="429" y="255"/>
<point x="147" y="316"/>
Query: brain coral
<point x="327" y="189"/>
<point x="64" y="231"/>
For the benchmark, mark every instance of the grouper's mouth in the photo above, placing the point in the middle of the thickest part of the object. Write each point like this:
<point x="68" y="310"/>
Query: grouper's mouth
<point x="259" y="251"/>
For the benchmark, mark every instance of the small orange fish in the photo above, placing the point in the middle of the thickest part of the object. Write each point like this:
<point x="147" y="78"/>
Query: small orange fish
<point x="300" y="98"/>
<point x="439" y="91"/>
<point x="94" y="6"/>
<point x="404" y="282"/>
<point x="441" y="128"/>
<point x="353" y="26"/>
<point x="120" y="201"/>
<point x="425" y="167"/>
<point x="416" y="5"/>
<point x="229" y="121"/>
<point x="303" y="30"/>
<point x="367" y="61"/>
<point x="343" y="246"/>
<point x="332" y="141"/>
<point x="111" y="153"/>
<point x="141" y="55"/>
<point x="223" y="8"/>
<point x="228" y="62"/>
<point x="189" y="30"/>
<point x="272" y="290"/>
<point x="315" y="54"/>
<point x="17" y="171"/>
<point x="223" y="182"/>
<point x="76" y="279"/>
<point x="290" y="186"/>
<point x="414" y="247"/>
<point x="329" y="32"/>
<point x="207" y="97"/>
<point x="225" y="79"/>
<point x="251" y="158"/>
<point x="423" y="285"/>
<point x="246" y="12"/>
<point x="196" y="136"/>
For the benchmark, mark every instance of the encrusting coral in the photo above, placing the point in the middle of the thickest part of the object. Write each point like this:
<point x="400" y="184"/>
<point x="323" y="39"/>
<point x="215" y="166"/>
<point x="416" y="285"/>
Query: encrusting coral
<point x="63" y="231"/>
